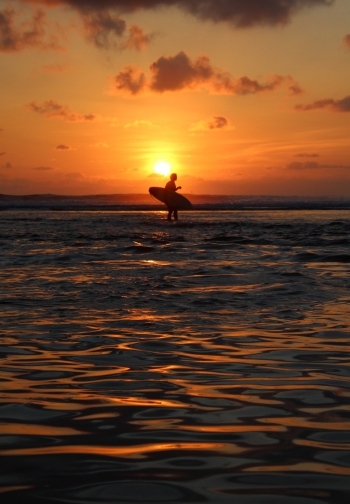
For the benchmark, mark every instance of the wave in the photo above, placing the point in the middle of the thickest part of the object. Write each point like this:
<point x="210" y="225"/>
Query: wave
<point x="147" y="202"/>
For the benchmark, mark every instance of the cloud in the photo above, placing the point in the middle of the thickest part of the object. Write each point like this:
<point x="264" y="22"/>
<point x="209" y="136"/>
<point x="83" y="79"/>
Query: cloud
<point x="131" y="80"/>
<point x="306" y="155"/>
<point x="302" y="166"/>
<point x="156" y="176"/>
<point x="8" y="166"/>
<point x="75" y="175"/>
<point x="216" y="123"/>
<point x="140" y="124"/>
<point x="294" y="88"/>
<point x="137" y="39"/>
<point x="177" y="73"/>
<point x="56" y="68"/>
<point x="105" y="31"/>
<point x="346" y="41"/>
<point x="248" y="12"/>
<point x="310" y="165"/>
<point x="52" y="109"/>
<point x="174" y="73"/>
<point x="100" y="145"/>
<point x="43" y="168"/>
<point x="17" y="35"/>
<point x="102" y="28"/>
<point x="241" y="13"/>
<point x="62" y="147"/>
<point x="2" y="153"/>
<point x="330" y="104"/>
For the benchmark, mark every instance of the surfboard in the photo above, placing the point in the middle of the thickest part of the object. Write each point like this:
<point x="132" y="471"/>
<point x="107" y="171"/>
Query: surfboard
<point x="171" y="198"/>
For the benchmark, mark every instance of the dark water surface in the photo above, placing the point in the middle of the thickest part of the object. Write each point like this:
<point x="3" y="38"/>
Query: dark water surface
<point x="205" y="361"/>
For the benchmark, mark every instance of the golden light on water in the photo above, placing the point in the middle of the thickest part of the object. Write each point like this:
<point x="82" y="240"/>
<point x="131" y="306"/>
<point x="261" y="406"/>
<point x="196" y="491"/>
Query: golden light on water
<point x="203" y="358"/>
<point x="137" y="451"/>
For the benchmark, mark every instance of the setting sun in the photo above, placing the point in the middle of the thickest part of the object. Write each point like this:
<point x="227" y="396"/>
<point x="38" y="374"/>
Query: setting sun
<point x="162" y="168"/>
<point x="222" y="105"/>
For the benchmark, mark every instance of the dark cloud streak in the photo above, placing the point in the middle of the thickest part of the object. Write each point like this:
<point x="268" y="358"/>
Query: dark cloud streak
<point x="241" y="13"/>
<point x="62" y="147"/>
<point x="311" y="165"/>
<point x="52" y="109"/>
<point x="329" y="103"/>
<point x="306" y="155"/>
<point x="105" y="29"/>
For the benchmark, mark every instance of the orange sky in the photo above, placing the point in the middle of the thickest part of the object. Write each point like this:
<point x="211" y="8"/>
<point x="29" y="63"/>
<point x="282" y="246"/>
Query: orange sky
<point x="238" y="96"/>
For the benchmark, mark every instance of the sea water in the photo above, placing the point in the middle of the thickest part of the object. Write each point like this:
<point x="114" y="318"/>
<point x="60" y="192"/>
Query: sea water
<point x="201" y="361"/>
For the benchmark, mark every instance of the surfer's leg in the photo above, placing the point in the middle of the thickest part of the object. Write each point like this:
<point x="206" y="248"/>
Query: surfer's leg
<point x="170" y="210"/>
<point x="175" y="214"/>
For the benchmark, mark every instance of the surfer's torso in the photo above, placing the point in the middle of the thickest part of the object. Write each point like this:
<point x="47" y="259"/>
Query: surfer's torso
<point x="170" y="186"/>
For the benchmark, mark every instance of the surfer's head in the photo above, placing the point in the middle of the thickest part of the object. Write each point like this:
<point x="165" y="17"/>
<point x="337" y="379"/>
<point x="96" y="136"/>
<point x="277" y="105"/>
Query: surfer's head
<point x="173" y="177"/>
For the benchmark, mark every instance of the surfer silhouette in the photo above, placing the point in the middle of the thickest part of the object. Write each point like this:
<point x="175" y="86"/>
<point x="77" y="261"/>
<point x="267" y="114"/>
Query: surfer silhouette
<point x="171" y="186"/>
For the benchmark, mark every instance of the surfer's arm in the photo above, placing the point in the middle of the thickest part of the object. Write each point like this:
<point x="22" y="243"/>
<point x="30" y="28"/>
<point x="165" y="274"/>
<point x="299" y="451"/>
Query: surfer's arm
<point x="178" y="188"/>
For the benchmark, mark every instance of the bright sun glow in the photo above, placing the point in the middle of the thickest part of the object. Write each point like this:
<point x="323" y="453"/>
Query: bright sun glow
<point x="162" y="168"/>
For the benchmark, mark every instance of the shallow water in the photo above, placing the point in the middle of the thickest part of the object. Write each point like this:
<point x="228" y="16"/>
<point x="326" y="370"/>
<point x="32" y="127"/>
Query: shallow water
<point x="203" y="361"/>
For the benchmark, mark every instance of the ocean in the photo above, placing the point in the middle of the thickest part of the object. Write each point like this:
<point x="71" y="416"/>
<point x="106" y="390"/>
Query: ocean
<point x="203" y="361"/>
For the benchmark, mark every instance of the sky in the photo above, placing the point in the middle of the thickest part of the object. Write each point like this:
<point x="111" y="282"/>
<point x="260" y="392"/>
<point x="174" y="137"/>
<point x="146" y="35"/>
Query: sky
<point x="235" y="96"/>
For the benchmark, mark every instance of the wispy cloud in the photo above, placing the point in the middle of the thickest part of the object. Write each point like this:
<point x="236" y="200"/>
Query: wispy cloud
<point x="178" y="73"/>
<point x="57" y="68"/>
<point x="329" y="103"/>
<point x="2" y="153"/>
<point x="100" y="145"/>
<point x="131" y="80"/>
<point x="140" y="124"/>
<point x="75" y="175"/>
<point x="311" y="165"/>
<point x="216" y="123"/>
<point x="51" y="109"/>
<point x="108" y="31"/>
<point x="43" y="168"/>
<point x="102" y="28"/>
<point x="137" y="39"/>
<point x="307" y="155"/>
<point x="17" y="35"/>
<point x="346" y="41"/>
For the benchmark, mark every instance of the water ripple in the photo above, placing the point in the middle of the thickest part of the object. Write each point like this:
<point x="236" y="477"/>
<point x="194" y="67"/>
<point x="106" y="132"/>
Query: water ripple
<point x="203" y="362"/>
